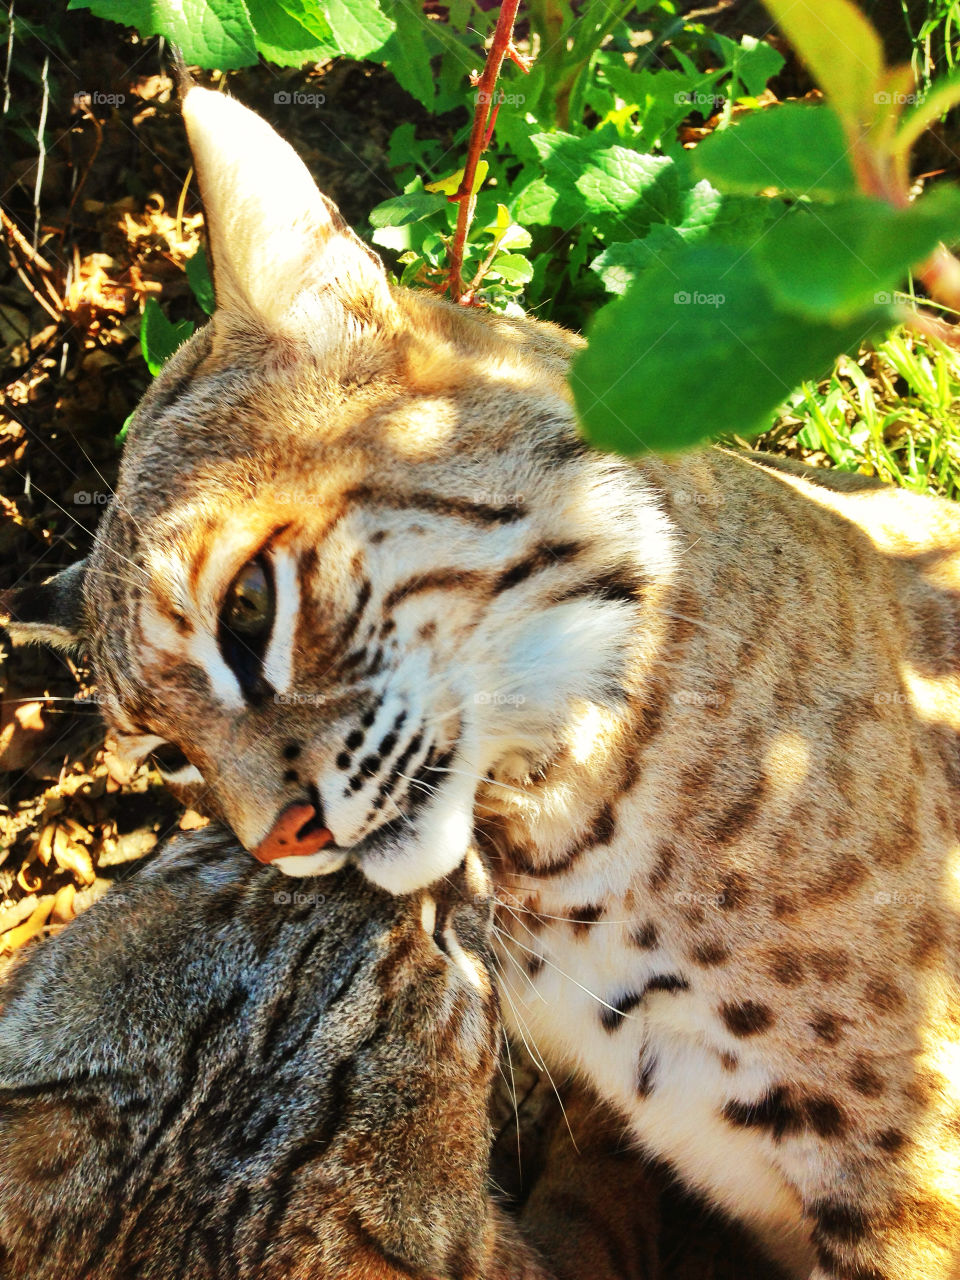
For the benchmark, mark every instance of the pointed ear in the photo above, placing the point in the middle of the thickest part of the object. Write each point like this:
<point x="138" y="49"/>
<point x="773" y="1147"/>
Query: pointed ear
<point x="49" y="614"/>
<point x="273" y="237"/>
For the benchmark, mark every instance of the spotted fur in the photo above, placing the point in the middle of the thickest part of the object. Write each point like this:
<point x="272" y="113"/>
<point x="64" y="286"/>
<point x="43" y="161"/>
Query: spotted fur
<point x="702" y="712"/>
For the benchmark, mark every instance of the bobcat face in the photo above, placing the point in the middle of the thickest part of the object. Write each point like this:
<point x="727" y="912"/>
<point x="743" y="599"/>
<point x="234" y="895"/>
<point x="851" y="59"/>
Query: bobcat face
<point x="352" y="567"/>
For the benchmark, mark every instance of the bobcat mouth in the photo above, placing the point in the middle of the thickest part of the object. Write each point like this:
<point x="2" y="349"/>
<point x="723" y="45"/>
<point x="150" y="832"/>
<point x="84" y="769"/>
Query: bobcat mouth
<point x="298" y="832"/>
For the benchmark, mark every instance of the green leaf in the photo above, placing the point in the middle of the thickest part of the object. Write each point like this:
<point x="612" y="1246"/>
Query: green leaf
<point x="752" y="62"/>
<point x="288" y="35"/>
<point x="663" y="99"/>
<point x="307" y="14"/>
<point x="736" y="220"/>
<point x="540" y="204"/>
<point x="700" y="347"/>
<point x="360" y="27"/>
<point x="410" y="207"/>
<point x="159" y="337"/>
<point x="620" y="264"/>
<point x="799" y="150"/>
<point x="211" y="33"/>
<point x="841" y="49"/>
<point x="198" y="274"/>
<point x="407" y="52"/>
<point x="620" y="190"/>
<point x="512" y="267"/>
<point x="620" y="181"/>
<point x="836" y="260"/>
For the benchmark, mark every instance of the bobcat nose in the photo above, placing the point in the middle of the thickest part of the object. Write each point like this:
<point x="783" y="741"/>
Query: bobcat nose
<point x="298" y="831"/>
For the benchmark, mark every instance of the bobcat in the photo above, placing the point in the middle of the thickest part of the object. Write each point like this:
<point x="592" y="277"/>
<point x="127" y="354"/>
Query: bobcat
<point x="206" y="1077"/>
<point x="365" y="586"/>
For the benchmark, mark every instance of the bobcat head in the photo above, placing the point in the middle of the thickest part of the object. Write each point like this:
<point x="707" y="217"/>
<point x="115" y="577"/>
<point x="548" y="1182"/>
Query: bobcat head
<point x="358" y="560"/>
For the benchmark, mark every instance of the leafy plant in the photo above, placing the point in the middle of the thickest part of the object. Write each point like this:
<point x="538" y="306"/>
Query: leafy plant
<point x="776" y="309"/>
<point x="738" y="269"/>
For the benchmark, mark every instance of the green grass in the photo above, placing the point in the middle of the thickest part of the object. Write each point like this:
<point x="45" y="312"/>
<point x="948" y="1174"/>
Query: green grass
<point x="935" y="34"/>
<point x="894" y="412"/>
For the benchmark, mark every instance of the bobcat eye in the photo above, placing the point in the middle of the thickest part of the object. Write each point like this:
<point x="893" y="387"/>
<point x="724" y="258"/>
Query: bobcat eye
<point x="169" y="759"/>
<point x="248" y="607"/>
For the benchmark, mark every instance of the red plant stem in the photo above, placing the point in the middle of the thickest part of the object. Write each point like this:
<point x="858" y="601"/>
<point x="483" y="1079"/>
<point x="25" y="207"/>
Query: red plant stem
<point x="502" y="42"/>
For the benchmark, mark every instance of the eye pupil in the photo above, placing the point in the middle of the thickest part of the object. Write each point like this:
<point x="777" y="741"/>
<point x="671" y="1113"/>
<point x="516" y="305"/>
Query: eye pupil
<point x="249" y="605"/>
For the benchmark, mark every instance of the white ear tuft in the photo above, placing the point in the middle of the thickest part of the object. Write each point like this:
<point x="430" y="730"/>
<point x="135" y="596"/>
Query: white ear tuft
<point x="273" y="236"/>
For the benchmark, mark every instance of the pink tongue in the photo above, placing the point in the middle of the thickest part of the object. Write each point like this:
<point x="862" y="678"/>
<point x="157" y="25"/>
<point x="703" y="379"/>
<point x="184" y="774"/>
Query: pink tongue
<point x="285" y="841"/>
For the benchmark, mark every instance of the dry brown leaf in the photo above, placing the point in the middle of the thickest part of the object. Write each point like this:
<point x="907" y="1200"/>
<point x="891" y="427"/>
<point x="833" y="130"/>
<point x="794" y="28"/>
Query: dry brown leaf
<point x="31" y="928"/>
<point x="63" y="905"/>
<point x="73" y="857"/>
<point x="43" y="849"/>
<point x="11" y="916"/>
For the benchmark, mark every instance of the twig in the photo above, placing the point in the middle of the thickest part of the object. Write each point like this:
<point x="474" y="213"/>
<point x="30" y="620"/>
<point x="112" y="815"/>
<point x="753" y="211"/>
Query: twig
<point x="501" y="47"/>
<point x="6" y="71"/>
<point x="22" y="243"/>
<point x="39" y="263"/>
<point x="41" y="148"/>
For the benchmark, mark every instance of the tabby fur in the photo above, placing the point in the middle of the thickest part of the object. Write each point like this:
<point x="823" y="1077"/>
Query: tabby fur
<point x="215" y="1073"/>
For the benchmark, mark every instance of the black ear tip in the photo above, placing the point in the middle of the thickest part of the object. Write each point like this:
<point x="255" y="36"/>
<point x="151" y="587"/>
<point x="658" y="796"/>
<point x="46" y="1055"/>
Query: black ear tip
<point x="185" y="80"/>
<point x="51" y="612"/>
